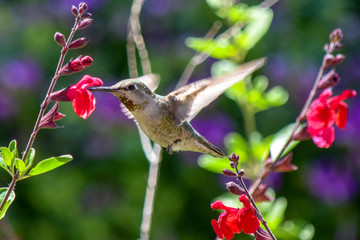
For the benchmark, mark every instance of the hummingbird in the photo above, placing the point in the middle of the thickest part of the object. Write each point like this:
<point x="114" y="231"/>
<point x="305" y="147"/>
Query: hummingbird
<point x="166" y="119"/>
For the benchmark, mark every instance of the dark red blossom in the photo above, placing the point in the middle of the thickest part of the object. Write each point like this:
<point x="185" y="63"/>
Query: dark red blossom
<point x="324" y="112"/>
<point x="49" y="119"/>
<point x="235" y="220"/>
<point x="76" y="65"/>
<point x="82" y="99"/>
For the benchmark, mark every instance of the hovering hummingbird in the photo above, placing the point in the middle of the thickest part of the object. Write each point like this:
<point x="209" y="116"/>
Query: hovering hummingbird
<point x="166" y="119"/>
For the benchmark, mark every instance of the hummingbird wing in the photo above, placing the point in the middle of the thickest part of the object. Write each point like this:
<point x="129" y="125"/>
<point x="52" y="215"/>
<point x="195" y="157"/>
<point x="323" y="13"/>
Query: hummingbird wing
<point x="150" y="80"/>
<point x="188" y="100"/>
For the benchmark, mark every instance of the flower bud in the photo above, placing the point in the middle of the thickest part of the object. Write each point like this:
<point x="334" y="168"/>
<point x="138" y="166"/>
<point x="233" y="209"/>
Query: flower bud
<point x="60" y="96"/>
<point x="331" y="60"/>
<point x="48" y="120"/>
<point x="302" y="134"/>
<point x="233" y="157"/>
<point x="79" y="43"/>
<point x="73" y="66"/>
<point x="86" y="15"/>
<point x="336" y="35"/>
<point x="234" y="188"/>
<point x="60" y="39"/>
<point x="229" y="173"/>
<point x="75" y="11"/>
<point x="331" y="79"/>
<point x="85" y="23"/>
<point x="284" y="165"/>
<point x="260" y="195"/>
<point x="82" y="8"/>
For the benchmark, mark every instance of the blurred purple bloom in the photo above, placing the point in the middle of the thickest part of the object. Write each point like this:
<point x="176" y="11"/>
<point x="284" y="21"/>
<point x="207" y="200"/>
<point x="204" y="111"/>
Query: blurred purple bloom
<point x="6" y="107"/>
<point x="20" y="74"/>
<point x="213" y="128"/>
<point x="108" y="111"/>
<point x="161" y="7"/>
<point x="331" y="184"/>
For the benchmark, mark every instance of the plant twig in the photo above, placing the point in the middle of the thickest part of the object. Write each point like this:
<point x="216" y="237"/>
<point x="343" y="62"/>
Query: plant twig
<point x="304" y="110"/>
<point x="43" y="107"/>
<point x="241" y="173"/>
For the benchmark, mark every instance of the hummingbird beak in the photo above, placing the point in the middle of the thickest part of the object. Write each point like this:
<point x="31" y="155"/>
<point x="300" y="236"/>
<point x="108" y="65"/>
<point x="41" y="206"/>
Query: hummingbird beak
<point x="103" y="89"/>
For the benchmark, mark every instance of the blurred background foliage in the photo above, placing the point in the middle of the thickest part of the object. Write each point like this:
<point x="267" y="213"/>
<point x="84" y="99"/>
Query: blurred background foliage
<point x="99" y="195"/>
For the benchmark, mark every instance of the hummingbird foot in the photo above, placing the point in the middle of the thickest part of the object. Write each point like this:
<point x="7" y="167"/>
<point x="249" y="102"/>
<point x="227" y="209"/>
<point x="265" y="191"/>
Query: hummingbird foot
<point x="168" y="149"/>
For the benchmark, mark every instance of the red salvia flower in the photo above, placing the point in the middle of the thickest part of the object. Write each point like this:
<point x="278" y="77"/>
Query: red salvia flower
<point x="324" y="112"/>
<point x="235" y="220"/>
<point x="82" y="99"/>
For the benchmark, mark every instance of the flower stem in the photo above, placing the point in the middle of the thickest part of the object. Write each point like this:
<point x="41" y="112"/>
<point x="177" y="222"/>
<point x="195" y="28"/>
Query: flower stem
<point x="43" y="107"/>
<point x="299" y="119"/>
<point x="259" y="216"/>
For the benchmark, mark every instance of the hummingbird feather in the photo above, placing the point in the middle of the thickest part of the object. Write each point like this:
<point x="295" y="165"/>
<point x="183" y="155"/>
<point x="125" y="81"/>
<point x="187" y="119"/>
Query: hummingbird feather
<point x="190" y="99"/>
<point x="151" y="81"/>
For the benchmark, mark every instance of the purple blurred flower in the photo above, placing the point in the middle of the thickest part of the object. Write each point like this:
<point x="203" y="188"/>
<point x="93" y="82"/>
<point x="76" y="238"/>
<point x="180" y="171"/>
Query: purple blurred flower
<point x="20" y="74"/>
<point x="331" y="184"/>
<point x="7" y="108"/>
<point x="213" y="128"/>
<point x="108" y="111"/>
<point x="161" y="7"/>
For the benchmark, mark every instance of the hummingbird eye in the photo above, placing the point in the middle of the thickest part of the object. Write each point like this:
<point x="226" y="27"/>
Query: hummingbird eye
<point x="131" y="87"/>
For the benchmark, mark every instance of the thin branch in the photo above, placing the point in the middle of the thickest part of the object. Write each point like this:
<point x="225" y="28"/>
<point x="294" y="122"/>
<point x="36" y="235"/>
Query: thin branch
<point x="198" y="56"/>
<point x="259" y="215"/>
<point x="304" y="110"/>
<point x="137" y="38"/>
<point x="43" y="107"/>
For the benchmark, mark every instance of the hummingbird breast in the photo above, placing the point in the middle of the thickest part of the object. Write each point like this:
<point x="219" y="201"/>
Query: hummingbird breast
<point x="158" y="123"/>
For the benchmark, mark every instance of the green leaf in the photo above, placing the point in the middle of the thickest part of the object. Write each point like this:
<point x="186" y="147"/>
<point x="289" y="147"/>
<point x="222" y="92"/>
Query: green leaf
<point x="215" y="48"/>
<point x="235" y="143"/>
<point x="13" y="148"/>
<point x="20" y="165"/>
<point x="260" y="20"/>
<point x="29" y="158"/>
<point x="8" y="157"/>
<point x="49" y="164"/>
<point x="213" y="164"/>
<point x="8" y="202"/>
<point x="280" y="138"/>
<point x="4" y="166"/>
<point x="276" y="96"/>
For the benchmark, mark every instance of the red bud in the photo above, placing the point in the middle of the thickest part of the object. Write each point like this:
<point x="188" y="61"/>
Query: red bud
<point x="229" y="173"/>
<point x="234" y="188"/>
<point x="86" y="15"/>
<point x="79" y="43"/>
<point x="331" y="79"/>
<point x="75" y="11"/>
<point x="85" y="23"/>
<point x="82" y="8"/>
<point x="60" y="39"/>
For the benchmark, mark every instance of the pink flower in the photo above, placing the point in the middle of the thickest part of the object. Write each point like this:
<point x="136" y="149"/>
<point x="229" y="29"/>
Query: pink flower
<point x="235" y="220"/>
<point x="324" y="112"/>
<point x="82" y="99"/>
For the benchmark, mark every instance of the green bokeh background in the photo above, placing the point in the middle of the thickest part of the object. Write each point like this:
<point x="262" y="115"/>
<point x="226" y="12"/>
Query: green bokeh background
<point x="99" y="195"/>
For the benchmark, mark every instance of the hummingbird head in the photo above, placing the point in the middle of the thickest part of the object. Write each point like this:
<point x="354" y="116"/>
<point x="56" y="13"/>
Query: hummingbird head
<point x="133" y="93"/>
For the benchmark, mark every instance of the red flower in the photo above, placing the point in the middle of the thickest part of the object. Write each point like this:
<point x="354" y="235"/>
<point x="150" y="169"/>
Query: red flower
<point x="324" y="112"/>
<point x="235" y="220"/>
<point x="82" y="99"/>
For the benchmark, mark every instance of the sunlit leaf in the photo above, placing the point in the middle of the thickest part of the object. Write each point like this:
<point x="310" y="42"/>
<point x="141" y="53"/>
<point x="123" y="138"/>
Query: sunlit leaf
<point x="213" y="164"/>
<point x="8" y="202"/>
<point x="4" y="166"/>
<point x="29" y="158"/>
<point x="13" y="148"/>
<point x="20" y="165"/>
<point x="49" y="164"/>
<point x="259" y="23"/>
<point x="214" y="48"/>
<point x="8" y="157"/>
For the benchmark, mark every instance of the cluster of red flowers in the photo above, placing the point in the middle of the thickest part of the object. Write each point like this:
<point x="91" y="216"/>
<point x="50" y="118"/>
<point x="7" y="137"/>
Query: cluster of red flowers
<point x="235" y="220"/>
<point x="324" y="112"/>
